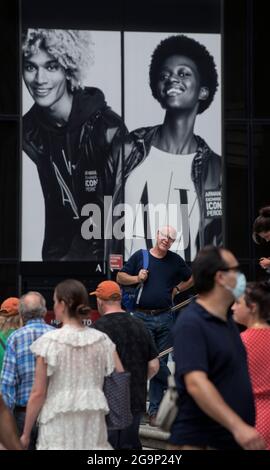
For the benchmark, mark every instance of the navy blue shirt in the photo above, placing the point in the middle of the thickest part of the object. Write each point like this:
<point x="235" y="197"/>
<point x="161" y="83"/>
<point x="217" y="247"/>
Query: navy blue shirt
<point x="203" y="342"/>
<point x="163" y="275"/>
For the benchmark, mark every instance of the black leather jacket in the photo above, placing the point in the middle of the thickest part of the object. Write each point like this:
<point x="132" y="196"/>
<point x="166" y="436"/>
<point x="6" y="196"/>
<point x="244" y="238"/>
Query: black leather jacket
<point x="77" y="165"/>
<point x="206" y="175"/>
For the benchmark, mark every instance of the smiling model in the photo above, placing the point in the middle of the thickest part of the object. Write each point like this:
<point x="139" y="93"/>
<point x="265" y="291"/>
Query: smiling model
<point x="69" y="133"/>
<point x="168" y="164"/>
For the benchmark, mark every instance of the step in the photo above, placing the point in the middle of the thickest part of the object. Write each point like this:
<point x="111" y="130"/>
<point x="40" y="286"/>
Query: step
<point x="152" y="437"/>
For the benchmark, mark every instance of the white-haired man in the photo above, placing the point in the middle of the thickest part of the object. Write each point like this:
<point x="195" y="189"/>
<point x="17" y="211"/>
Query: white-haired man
<point x="166" y="271"/>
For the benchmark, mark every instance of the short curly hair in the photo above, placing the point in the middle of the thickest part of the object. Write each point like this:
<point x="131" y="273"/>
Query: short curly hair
<point x="183" y="45"/>
<point x="73" y="49"/>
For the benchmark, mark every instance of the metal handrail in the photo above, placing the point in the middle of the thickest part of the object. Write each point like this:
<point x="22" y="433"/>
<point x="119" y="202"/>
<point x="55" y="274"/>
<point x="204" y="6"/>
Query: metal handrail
<point x="183" y="304"/>
<point x="173" y="309"/>
<point x="165" y="352"/>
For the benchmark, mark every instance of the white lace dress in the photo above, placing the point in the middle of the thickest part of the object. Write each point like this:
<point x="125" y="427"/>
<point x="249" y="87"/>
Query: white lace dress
<point x="73" y="415"/>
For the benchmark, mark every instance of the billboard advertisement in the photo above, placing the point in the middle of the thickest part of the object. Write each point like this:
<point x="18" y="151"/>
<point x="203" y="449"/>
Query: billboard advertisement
<point x="122" y="134"/>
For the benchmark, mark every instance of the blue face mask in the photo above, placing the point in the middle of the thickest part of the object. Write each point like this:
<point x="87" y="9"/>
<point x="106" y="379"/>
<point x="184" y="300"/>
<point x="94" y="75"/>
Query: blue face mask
<point x="240" y="286"/>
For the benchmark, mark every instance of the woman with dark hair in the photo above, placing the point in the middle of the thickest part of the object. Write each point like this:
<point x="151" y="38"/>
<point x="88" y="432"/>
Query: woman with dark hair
<point x="261" y="232"/>
<point x="68" y="390"/>
<point x="168" y="164"/>
<point x="253" y="311"/>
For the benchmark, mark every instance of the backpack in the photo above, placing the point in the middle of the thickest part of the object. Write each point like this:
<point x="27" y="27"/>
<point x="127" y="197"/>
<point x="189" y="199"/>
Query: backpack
<point x="131" y="295"/>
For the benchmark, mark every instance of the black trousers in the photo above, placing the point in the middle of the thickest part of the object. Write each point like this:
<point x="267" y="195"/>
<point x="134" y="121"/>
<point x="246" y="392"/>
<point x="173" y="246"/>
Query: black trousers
<point x="20" y="418"/>
<point x="127" y="438"/>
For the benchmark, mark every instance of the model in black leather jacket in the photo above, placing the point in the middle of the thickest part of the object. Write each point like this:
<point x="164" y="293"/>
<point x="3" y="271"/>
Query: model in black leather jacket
<point x="77" y="165"/>
<point x="183" y="79"/>
<point x="206" y="176"/>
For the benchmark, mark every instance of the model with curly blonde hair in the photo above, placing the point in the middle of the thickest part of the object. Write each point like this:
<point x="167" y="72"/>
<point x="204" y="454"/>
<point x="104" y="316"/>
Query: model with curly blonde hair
<point x="73" y="49"/>
<point x="69" y="133"/>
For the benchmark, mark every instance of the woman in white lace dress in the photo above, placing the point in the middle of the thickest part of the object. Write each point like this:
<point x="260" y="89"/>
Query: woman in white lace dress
<point x="68" y="389"/>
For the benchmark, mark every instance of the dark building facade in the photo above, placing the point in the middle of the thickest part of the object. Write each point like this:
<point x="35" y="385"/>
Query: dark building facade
<point x="245" y="120"/>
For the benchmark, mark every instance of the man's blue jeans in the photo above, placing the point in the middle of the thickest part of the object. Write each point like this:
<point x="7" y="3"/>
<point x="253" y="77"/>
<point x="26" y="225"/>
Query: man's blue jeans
<point x="160" y="328"/>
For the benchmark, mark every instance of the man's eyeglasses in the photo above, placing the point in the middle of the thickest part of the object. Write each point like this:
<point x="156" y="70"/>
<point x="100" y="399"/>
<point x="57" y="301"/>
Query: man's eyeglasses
<point x="165" y="235"/>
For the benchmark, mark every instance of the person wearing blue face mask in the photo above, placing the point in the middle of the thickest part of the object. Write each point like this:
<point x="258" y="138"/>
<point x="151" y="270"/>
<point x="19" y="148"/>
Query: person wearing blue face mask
<point x="217" y="405"/>
<point x="240" y="286"/>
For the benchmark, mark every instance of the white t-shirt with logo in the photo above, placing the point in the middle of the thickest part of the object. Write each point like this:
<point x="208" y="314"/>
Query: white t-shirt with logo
<point x="160" y="192"/>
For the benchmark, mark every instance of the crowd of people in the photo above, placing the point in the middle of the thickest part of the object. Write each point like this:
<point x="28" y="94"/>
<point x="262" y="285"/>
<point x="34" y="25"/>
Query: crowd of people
<point x="52" y="378"/>
<point x="85" y="156"/>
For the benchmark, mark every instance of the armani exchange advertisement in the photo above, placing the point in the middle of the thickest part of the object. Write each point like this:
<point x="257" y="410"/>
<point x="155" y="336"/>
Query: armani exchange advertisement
<point x="121" y="136"/>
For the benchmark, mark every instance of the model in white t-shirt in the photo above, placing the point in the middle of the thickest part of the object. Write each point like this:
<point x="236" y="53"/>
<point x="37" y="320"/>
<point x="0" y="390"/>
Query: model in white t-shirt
<point x="172" y="176"/>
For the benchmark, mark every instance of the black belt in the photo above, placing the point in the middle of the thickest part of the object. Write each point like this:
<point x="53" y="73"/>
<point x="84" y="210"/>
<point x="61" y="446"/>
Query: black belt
<point x="20" y="408"/>
<point x="154" y="311"/>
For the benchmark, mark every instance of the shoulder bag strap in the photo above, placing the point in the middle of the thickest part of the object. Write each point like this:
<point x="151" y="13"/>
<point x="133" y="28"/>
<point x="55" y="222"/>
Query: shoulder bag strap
<point x="145" y="255"/>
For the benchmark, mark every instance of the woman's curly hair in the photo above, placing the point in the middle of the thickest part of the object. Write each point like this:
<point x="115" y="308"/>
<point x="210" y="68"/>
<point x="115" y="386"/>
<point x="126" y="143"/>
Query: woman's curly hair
<point x="73" y="49"/>
<point x="185" y="46"/>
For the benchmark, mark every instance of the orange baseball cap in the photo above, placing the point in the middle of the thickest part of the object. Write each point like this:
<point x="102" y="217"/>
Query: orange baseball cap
<point x="107" y="290"/>
<point x="10" y="307"/>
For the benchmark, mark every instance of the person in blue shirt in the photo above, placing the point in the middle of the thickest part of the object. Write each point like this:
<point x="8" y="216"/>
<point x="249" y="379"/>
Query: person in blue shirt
<point x="216" y="401"/>
<point x="19" y="362"/>
<point x="166" y="271"/>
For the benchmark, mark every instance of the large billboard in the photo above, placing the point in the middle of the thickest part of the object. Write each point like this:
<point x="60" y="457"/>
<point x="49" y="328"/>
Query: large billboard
<point x="178" y="178"/>
<point x="61" y="174"/>
<point x="122" y="134"/>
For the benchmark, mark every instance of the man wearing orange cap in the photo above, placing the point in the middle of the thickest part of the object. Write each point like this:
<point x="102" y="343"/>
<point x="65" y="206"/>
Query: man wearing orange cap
<point x="10" y="306"/>
<point x="136" y="351"/>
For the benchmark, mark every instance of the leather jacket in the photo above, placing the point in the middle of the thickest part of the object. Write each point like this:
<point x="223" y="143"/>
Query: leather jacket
<point x="205" y="173"/>
<point x="77" y="166"/>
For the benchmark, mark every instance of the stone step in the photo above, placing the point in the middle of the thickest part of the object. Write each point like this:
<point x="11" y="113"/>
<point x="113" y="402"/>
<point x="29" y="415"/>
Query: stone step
<point x="152" y="437"/>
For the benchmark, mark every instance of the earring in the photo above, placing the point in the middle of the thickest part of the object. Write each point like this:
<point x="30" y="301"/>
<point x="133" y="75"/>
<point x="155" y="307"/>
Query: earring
<point x="204" y="93"/>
